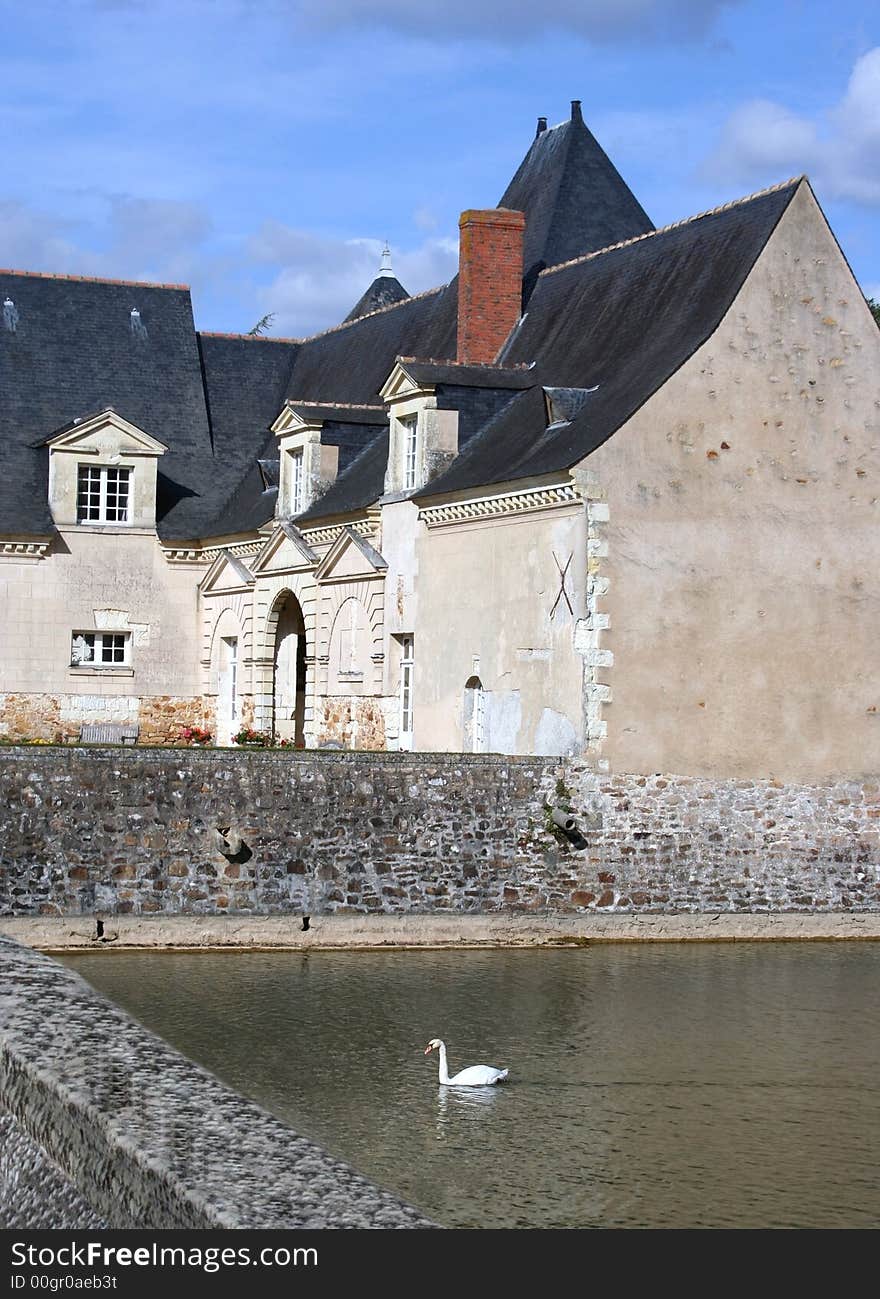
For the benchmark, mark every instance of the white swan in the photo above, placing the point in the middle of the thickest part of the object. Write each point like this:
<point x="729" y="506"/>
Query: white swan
<point x="478" y="1075"/>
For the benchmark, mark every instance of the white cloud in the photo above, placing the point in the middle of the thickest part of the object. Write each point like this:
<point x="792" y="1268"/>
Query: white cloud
<point x="140" y="239"/>
<point x="840" y="149"/>
<point x="309" y="281"/>
<point x="320" y="279"/>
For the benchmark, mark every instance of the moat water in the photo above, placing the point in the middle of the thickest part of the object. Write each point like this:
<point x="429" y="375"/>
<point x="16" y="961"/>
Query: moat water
<point x="722" y="1085"/>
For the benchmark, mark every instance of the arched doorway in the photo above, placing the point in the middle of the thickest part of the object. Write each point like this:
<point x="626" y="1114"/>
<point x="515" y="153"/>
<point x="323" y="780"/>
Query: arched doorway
<point x="474" y="716"/>
<point x="289" y="672"/>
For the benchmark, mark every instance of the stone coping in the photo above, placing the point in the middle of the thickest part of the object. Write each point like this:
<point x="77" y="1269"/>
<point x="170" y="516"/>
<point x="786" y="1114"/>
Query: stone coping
<point x="431" y="931"/>
<point x="149" y="1139"/>
<point x="367" y="757"/>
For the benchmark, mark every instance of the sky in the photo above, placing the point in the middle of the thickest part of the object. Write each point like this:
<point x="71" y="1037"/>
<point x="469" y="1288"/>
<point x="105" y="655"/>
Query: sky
<point x="262" y="151"/>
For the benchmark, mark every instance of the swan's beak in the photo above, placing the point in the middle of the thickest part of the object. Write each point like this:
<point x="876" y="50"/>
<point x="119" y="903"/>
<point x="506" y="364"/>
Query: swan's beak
<point x="428" y="1049"/>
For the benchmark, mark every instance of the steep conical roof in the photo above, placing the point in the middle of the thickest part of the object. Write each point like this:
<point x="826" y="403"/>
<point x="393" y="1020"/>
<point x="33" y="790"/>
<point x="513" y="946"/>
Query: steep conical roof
<point x="385" y="289"/>
<point x="574" y="198"/>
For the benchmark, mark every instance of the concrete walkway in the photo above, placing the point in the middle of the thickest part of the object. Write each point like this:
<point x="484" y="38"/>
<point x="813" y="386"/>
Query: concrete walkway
<point x="430" y="931"/>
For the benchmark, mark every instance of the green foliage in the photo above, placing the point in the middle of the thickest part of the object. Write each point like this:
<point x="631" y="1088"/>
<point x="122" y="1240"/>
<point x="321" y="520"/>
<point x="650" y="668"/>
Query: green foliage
<point x="875" y="310"/>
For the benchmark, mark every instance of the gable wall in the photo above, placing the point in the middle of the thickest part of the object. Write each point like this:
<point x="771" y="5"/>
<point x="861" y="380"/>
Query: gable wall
<point x="742" y="592"/>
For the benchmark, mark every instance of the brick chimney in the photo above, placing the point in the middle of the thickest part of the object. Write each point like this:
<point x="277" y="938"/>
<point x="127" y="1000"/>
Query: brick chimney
<point x="490" y="269"/>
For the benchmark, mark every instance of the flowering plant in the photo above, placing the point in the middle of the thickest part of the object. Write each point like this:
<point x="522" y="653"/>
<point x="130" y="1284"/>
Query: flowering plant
<point x="247" y="735"/>
<point x="195" y="735"/>
<point x="291" y="744"/>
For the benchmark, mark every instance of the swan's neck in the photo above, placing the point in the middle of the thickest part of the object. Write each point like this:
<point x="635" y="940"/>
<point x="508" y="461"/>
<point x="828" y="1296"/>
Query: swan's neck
<point x="444" y="1071"/>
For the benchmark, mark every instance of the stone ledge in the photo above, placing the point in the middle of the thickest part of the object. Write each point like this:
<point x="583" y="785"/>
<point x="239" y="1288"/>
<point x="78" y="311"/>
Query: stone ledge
<point x="147" y="1138"/>
<point x="334" y="932"/>
<point x="368" y="757"/>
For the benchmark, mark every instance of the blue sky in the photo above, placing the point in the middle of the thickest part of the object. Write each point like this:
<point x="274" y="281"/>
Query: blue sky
<point x="262" y="150"/>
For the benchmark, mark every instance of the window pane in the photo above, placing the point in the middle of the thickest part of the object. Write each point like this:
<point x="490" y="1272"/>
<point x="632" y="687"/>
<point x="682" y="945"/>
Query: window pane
<point x="82" y="648"/>
<point x="117" y="494"/>
<point x="102" y="494"/>
<point x="296" y="483"/>
<point x="88" y="493"/>
<point x="410" y="429"/>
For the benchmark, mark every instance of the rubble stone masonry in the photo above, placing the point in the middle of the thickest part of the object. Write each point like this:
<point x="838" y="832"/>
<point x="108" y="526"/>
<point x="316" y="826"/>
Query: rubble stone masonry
<point x="191" y="831"/>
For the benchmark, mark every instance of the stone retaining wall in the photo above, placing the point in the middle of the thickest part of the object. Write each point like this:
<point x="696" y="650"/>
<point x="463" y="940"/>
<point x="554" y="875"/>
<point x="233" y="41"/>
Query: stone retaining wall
<point x="149" y="831"/>
<point x="102" y="1123"/>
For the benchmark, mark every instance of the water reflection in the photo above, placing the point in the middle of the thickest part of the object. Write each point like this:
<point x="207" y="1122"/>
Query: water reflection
<point x="653" y="1086"/>
<point x="473" y="1104"/>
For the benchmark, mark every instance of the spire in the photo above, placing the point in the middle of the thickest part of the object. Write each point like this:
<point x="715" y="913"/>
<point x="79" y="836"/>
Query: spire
<point x="385" y="290"/>
<point x="574" y="198"/>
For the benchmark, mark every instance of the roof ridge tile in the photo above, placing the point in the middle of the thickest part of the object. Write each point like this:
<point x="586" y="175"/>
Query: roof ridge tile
<point x="336" y="405"/>
<point x="256" y="338"/>
<point x="674" y="225"/>
<point x="91" y="279"/>
<point x="380" y="311"/>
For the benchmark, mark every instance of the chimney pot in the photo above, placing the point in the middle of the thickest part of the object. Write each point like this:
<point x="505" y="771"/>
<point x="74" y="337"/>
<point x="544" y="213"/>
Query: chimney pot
<point x="542" y="126"/>
<point x="576" y="114"/>
<point x="490" y="269"/>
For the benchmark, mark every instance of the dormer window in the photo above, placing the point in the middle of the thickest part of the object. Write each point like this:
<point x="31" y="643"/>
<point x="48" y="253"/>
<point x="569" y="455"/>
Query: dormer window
<point x="422" y="436"/>
<point x="297" y="481"/>
<point x="103" y="493"/>
<point x="410" y="445"/>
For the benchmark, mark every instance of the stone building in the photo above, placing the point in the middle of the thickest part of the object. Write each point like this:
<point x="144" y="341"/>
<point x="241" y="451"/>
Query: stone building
<point x="611" y="491"/>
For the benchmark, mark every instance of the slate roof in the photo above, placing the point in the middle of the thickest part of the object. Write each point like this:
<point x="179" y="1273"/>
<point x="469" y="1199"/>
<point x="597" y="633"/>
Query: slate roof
<point x="621" y="320"/>
<point x="383" y="292"/>
<point x="429" y="373"/>
<point x="74" y="351"/>
<point x="355" y="490"/>
<point x="574" y="198"/>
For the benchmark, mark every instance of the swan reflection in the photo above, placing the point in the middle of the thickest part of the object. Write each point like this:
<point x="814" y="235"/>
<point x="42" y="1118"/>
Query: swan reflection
<point x="470" y="1104"/>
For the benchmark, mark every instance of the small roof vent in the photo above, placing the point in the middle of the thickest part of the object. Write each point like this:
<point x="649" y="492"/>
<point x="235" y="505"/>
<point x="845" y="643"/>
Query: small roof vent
<point x="270" y="472"/>
<point x="10" y="315"/>
<point x="565" y="404"/>
<point x="138" y="328"/>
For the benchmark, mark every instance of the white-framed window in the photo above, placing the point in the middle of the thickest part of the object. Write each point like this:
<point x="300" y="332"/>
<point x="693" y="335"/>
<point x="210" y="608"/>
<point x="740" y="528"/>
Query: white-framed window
<point x="475" y="715"/>
<point x="406" y="692"/>
<point x="297" y="481"/>
<point x="230" y="652"/>
<point x="103" y="493"/>
<point x="100" y="649"/>
<point x="410" y="430"/>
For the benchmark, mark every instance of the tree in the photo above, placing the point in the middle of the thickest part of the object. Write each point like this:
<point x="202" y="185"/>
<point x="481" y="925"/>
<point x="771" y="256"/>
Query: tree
<point x="875" y="310"/>
<point x="262" y="326"/>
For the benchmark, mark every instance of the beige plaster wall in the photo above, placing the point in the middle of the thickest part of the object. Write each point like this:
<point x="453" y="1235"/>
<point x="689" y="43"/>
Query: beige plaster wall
<point x="89" y="570"/>
<point x="485" y="594"/>
<point x="743" y="578"/>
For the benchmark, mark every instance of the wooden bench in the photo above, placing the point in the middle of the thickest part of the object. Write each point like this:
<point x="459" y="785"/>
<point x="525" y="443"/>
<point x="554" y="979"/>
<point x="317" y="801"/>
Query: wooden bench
<point x="108" y="733"/>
